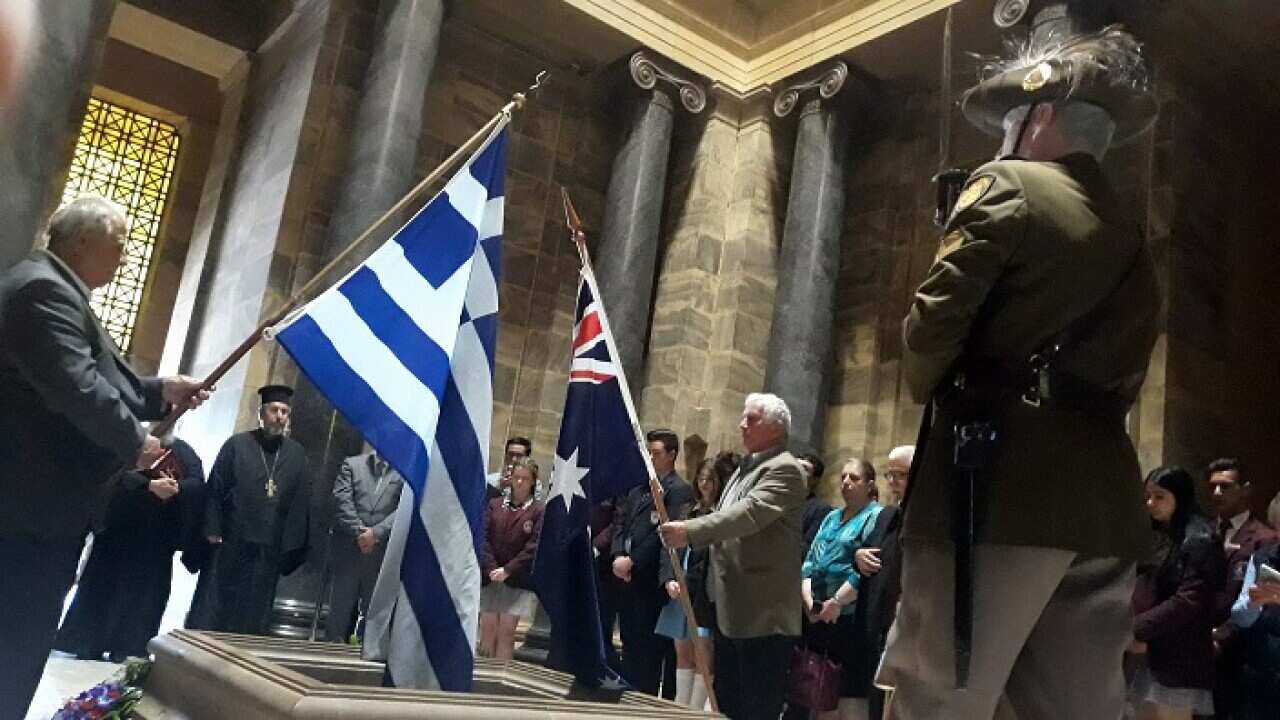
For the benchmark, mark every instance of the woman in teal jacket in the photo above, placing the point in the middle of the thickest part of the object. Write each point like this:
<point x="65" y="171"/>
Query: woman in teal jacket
<point x="830" y="584"/>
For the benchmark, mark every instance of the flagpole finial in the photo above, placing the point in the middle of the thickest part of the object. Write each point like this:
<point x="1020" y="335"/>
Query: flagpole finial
<point x="571" y="217"/>
<point x="538" y="82"/>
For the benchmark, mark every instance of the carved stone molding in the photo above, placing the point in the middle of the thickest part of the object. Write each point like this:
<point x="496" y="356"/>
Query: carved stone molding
<point x="1008" y="13"/>
<point x="828" y="82"/>
<point x="647" y="71"/>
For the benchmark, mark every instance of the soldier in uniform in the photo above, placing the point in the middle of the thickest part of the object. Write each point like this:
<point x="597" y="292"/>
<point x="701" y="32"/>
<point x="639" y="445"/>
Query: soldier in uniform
<point x="1034" y="325"/>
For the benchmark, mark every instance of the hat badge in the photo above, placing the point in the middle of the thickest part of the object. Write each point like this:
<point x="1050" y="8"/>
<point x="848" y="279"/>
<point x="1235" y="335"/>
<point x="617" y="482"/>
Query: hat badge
<point x="1039" y="76"/>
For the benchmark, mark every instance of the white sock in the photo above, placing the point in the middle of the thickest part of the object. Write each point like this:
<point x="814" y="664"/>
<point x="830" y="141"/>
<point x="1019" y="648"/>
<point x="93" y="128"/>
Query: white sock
<point x="698" y="695"/>
<point x="684" y="683"/>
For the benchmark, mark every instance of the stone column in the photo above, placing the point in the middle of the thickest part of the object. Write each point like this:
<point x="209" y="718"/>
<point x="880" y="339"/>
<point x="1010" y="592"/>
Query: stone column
<point x="628" y="250"/>
<point x="379" y="171"/>
<point x="800" y="344"/>
<point x="38" y="131"/>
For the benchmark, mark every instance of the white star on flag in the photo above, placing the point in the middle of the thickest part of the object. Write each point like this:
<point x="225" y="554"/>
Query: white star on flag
<point x="566" y="478"/>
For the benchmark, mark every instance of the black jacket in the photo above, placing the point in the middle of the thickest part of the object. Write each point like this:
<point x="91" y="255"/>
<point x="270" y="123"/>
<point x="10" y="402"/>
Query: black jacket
<point x="635" y="531"/>
<point x="878" y="594"/>
<point x="69" y="404"/>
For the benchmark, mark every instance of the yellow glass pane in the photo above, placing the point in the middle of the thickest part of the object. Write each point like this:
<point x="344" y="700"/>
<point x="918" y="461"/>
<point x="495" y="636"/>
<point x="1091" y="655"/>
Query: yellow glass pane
<point x="129" y="158"/>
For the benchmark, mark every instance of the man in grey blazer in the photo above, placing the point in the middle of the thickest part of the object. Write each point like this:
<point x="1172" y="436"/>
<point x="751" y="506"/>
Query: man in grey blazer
<point x="366" y="495"/>
<point x="754" y="579"/>
<point x="69" y="412"/>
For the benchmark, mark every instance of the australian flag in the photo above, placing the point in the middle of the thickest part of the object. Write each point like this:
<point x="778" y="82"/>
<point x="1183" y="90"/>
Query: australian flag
<point x="598" y="457"/>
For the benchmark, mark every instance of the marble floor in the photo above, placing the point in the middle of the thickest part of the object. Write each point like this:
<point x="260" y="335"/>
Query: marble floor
<point x="65" y="677"/>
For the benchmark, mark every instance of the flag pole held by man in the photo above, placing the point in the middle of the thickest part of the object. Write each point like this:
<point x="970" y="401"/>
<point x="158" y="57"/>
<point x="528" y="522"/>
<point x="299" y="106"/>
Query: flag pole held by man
<point x="599" y="429"/>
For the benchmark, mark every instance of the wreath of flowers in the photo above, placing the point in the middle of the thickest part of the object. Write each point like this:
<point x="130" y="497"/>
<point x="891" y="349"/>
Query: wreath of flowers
<point x="114" y="699"/>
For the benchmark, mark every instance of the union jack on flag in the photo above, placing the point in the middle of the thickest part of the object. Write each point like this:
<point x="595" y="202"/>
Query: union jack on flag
<point x="591" y="360"/>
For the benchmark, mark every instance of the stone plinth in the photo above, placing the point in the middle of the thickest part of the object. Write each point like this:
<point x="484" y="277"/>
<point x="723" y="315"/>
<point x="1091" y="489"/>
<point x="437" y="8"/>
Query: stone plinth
<point x="213" y="676"/>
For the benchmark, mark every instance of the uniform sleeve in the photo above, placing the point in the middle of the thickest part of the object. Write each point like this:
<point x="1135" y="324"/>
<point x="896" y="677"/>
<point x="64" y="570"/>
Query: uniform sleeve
<point x="979" y="240"/>
<point x="43" y="320"/>
<point x="344" y="501"/>
<point x="779" y="490"/>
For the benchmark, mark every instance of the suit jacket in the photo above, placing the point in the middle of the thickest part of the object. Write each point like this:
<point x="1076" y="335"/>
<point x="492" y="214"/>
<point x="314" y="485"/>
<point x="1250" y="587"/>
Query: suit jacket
<point x="360" y="502"/>
<point x="69" y="404"/>
<point x="878" y="594"/>
<point x="754" y="536"/>
<point x="636" y="529"/>
<point x="1031" y="247"/>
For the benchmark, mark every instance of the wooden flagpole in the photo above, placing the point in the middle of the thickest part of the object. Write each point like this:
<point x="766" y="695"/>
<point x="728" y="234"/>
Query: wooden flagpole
<point x="655" y="487"/>
<point x="164" y="427"/>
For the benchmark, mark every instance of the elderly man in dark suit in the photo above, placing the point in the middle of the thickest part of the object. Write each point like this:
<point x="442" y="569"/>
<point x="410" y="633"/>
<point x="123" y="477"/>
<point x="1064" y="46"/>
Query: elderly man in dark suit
<point x="754" y="535"/>
<point x="69" y="411"/>
<point x="366" y="495"/>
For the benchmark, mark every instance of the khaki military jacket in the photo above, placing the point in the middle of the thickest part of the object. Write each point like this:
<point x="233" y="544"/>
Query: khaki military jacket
<point x="1030" y="247"/>
<point x="754" y="534"/>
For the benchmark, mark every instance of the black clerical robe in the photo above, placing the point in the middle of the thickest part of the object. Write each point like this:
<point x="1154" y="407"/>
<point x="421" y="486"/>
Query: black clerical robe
<point x="264" y="532"/>
<point x="125" y="584"/>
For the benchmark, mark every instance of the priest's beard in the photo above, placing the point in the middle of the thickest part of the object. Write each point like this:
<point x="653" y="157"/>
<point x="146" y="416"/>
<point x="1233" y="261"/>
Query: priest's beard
<point x="272" y="431"/>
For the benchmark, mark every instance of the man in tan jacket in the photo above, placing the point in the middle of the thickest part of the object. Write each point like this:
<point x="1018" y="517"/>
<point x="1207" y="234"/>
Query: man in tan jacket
<point x="754" y="535"/>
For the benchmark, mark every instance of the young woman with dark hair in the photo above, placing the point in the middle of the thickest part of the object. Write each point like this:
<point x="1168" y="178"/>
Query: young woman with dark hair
<point x="1173" y="604"/>
<point x="709" y="482"/>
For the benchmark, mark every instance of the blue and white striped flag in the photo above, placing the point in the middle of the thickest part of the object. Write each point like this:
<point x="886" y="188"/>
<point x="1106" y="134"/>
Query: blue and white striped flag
<point x="403" y="347"/>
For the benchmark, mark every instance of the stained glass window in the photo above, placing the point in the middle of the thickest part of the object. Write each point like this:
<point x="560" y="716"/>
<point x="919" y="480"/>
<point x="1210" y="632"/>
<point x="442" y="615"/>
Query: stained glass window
<point x="128" y="158"/>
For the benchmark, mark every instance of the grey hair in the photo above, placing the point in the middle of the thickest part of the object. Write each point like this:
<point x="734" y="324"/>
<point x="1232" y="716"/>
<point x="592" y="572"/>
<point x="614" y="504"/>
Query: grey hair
<point x="773" y="408"/>
<point x="86" y="213"/>
<point x="904" y="452"/>
<point x="1085" y="127"/>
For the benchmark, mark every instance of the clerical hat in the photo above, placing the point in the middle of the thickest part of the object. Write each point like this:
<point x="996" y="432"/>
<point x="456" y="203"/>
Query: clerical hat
<point x="1104" y="68"/>
<point x="276" y="393"/>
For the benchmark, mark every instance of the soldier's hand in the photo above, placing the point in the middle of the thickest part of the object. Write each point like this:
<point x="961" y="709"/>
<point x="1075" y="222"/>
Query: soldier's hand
<point x="867" y="560"/>
<point x="673" y="589"/>
<point x="622" y="568"/>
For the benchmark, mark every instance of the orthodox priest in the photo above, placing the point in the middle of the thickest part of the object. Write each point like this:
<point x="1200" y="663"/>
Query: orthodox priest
<point x="256" y="517"/>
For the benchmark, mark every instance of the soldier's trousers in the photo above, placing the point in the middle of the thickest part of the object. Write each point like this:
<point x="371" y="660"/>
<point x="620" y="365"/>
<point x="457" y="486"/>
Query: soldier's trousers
<point x="1049" y="632"/>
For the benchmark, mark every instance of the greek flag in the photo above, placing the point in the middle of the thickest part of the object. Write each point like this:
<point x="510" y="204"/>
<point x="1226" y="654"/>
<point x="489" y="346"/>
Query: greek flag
<point x="403" y="347"/>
